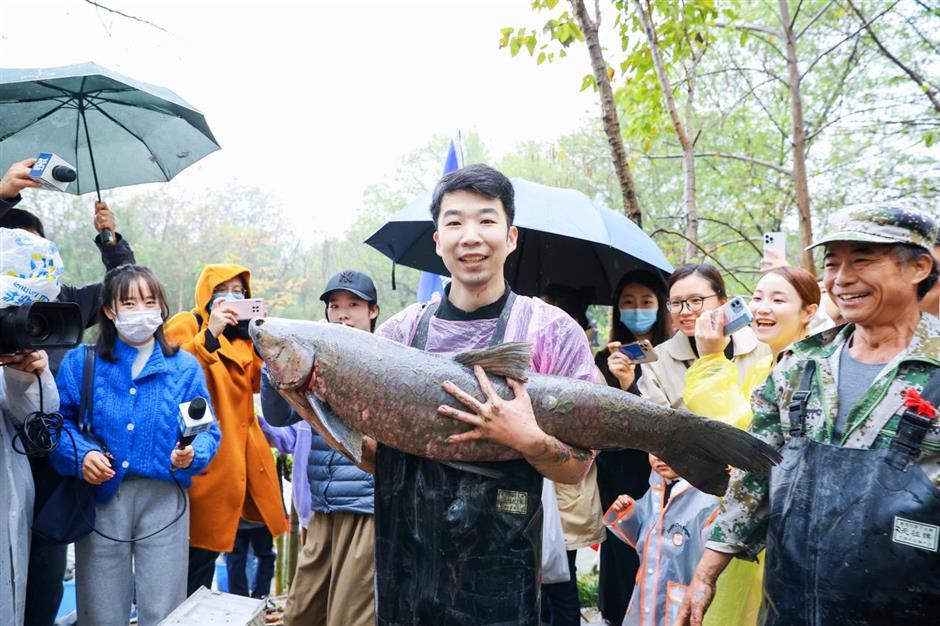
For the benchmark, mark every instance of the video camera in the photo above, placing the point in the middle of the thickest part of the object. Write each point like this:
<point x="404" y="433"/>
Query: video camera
<point x="40" y="325"/>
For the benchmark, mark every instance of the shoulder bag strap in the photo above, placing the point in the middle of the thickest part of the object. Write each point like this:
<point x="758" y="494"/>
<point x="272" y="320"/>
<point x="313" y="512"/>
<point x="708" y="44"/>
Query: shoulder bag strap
<point x="796" y="411"/>
<point x="87" y="403"/>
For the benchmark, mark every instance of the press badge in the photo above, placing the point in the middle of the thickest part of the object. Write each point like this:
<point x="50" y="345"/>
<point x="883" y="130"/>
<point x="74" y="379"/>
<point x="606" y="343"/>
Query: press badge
<point x="916" y="534"/>
<point x="515" y="502"/>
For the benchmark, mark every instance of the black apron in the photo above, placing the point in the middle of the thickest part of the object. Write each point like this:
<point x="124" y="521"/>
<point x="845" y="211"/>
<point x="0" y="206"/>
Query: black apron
<point x="853" y="533"/>
<point x="454" y="547"/>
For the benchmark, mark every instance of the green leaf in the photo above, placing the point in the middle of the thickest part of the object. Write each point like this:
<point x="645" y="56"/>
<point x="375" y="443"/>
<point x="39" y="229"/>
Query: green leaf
<point x="588" y="82"/>
<point x="530" y="44"/>
<point x="514" y="46"/>
<point x="540" y="59"/>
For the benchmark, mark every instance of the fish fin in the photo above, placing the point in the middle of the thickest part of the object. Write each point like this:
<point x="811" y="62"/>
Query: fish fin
<point x="473" y="468"/>
<point x="348" y="437"/>
<point x="701" y="449"/>
<point x="510" y="360"/>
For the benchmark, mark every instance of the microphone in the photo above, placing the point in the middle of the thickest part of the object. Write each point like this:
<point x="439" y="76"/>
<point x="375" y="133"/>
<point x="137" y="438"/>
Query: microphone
<point x="52" y="172"/>
<point x="63" y="173"/>
<point x="194" y="417"/>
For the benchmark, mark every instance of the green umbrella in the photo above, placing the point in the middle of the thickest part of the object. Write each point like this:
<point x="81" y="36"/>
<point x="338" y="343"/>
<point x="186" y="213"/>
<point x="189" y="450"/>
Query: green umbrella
<point x="115" y="130"/>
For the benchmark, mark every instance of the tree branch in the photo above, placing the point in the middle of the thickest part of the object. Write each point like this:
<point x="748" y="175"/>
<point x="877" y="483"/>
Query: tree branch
<point x="130" y="17"/>
<point x="724" y="155"/>
<point x="813" y="20"/>
<point x="757" y="28"/>
<point x="929" y="90"/>
<point x="744" y="237"/>
<point x="675" y="233"/>
<point x="843" y="40"/>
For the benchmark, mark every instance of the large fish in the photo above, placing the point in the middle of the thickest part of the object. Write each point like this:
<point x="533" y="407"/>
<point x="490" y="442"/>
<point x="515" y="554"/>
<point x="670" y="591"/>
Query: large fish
<point x="347" y="382"/>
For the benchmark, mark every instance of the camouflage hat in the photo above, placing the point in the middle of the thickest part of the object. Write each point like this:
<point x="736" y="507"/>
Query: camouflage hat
<point x="881" y="224"/>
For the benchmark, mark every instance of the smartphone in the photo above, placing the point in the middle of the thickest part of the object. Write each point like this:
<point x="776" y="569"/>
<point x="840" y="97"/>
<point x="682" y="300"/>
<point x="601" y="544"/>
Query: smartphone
<point x="776" y="241"/>
<point x="640" y="351"/>
<point x="737" y="315"/>
<point x="246" y="309"/>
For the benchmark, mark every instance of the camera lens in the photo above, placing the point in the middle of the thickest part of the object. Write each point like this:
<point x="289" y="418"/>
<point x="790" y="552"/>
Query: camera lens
<point x="37" y="327"/>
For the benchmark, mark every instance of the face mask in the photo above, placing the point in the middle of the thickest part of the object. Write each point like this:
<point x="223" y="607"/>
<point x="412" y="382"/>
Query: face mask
<point x="138" y="326"/>
<point x="639" y="321"/>
<point x="227" y="295"/>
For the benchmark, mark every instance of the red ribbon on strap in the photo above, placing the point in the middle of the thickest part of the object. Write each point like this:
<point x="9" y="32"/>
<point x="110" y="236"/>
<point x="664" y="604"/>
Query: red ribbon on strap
<point x="913" y="400"/>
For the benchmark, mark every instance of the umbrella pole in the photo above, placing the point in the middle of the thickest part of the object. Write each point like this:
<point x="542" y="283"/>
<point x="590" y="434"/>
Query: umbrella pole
<point x="106" y="234"/>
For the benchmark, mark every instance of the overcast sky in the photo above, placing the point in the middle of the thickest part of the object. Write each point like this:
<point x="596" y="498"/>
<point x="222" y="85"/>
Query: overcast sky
<point x="341" y="89"/>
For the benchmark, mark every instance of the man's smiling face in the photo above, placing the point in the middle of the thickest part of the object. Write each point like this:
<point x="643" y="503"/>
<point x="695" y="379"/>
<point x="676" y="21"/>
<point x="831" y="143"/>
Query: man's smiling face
<point x="473" y="238"/>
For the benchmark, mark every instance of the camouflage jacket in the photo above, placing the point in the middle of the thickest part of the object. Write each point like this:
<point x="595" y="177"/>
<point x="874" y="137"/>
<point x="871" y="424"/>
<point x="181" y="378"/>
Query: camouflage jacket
<point x="742" y="521"/>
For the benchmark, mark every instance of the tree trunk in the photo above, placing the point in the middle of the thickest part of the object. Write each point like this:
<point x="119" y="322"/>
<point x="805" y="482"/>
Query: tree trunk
<point x="631" y="205"/>
<point x="798" y="142"/>
<point x="688" y="150"/>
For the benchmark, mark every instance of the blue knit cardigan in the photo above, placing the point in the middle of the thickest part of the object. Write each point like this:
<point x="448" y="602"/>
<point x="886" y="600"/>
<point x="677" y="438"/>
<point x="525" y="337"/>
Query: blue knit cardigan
<point x="135" y="418"/>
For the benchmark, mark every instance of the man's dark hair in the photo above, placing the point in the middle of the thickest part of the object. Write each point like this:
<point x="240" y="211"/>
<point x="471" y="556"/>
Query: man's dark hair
<point x="908" y="253"/>
<point x="18" y="218"/>
<point x="480" y="179"/>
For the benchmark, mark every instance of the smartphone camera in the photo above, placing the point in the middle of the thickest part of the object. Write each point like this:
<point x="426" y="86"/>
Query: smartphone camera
<point x="737" y="314"/>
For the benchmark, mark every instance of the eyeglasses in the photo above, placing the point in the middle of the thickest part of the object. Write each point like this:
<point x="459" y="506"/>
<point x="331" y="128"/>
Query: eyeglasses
<point x="695" y="303"/>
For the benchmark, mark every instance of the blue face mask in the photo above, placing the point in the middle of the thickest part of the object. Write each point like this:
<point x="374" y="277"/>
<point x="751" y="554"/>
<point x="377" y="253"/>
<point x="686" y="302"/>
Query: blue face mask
<point x="225" y="295"/>
<point x="639" y="321"/>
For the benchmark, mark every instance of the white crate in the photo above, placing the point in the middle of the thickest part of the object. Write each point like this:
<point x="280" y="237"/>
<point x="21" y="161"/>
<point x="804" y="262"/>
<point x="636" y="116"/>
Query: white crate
<point x="214" y="608"/>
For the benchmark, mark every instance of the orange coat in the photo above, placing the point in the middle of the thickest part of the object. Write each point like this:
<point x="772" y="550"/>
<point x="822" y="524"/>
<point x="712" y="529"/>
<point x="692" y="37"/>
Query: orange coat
<point x="241" y="481"/>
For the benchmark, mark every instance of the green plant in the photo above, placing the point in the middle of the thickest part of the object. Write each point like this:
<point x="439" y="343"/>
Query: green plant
<point x="587" y="588"/>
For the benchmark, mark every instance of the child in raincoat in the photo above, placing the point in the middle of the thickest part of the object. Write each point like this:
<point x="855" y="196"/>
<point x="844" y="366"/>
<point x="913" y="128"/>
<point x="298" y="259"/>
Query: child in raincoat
<point x="668" y="528"/>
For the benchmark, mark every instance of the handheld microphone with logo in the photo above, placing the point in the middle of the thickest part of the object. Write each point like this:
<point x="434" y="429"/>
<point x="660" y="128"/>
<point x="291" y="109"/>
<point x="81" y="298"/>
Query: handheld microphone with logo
<point x="194" y="417"/>
<point x="52" y="172"/>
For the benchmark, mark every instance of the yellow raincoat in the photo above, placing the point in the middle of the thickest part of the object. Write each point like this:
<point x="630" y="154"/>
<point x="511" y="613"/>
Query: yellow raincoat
<point x="713" y="389"/>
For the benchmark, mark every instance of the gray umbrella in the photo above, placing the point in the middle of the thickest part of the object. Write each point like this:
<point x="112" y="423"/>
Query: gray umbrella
<point x="115" y="130"/>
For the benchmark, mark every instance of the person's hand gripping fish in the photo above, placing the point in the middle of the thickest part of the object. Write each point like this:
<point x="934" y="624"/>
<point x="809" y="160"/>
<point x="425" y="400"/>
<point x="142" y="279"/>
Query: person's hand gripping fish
<point x="507" y="422"/>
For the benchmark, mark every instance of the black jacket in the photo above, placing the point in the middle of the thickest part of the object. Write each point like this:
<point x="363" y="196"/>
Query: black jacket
<point x="87" y="297"/>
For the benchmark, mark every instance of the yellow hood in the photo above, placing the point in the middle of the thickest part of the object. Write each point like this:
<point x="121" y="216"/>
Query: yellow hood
<point x="211" y="277"/>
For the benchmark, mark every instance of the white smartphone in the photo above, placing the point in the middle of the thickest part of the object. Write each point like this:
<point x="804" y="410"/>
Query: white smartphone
<point x="640" y="351"/>
<point x="776" y="241"/>
<point x="737" y="315"/>
<point x="246" y="309"/>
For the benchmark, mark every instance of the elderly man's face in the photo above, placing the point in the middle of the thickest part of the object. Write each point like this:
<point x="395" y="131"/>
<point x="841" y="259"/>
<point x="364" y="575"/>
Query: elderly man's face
<point x="868" y="285"/>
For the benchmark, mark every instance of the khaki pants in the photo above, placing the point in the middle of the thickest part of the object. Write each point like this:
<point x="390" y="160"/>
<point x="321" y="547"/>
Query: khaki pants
<point x="333" y="585"/>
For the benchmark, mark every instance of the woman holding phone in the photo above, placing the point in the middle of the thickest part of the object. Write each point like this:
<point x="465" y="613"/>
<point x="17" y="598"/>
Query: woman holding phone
<point x="639" y="314"/>
<point x="694" y="290"/>
<point x="783" y="305"/>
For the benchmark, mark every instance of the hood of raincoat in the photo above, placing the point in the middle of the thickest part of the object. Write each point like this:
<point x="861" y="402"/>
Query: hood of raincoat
<point x="211" y="277"/>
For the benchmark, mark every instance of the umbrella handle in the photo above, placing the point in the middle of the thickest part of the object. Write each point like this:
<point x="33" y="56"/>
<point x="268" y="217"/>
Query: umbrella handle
<point x="106" y="235"/>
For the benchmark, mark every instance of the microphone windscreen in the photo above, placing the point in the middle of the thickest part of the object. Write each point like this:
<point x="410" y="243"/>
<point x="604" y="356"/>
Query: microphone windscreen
<point x="197" y="408"/>
<point x="63" y="174"/>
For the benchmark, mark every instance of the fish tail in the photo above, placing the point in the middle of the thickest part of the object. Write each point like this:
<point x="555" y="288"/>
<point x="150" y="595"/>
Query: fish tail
<point x="700" y="451"/>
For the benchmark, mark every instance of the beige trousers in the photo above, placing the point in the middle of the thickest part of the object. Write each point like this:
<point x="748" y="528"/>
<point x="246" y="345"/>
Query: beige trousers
<point x="333" y="585"/>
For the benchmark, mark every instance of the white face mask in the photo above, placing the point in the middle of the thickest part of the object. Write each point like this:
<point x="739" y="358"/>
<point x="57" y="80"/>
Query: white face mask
<point x="138" y="326"/>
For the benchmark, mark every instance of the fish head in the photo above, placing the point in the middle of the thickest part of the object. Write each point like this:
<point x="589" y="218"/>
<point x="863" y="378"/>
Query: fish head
<point x="289" y="348"/>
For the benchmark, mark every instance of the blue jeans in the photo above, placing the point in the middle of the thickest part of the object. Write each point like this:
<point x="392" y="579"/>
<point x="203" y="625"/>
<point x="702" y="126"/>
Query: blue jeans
<point x="262" y="544"/>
